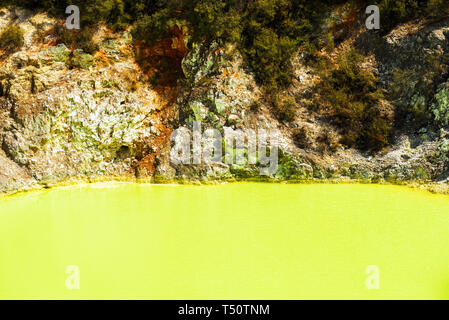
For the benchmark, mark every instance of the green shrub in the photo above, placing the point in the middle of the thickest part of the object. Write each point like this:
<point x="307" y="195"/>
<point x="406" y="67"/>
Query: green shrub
<point x="284" y="108"/>
<point x="272" y="32"/>
<point x="408" y="90"/>
<point x="213" y="19"/>
<point x="152" y="28"/>
<point x="440" y="108"/>
<point x="11" y="38"/>
<point x="414" y="93"/>
<point x="268" y="32"/>
<point x="434" y="7"/>
<point x="353" y="99"/>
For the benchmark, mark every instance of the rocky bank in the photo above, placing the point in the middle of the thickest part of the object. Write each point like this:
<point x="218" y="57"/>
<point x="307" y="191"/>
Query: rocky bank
<point x="70" y="115"/>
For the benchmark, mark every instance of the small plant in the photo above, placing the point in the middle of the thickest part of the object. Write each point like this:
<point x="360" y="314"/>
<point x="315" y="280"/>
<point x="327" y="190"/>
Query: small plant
<point x="330" y="44"/>
<point x="11" y="38"/>
<point x="440" y="108"/>
<point x="110" y="84"/>
<point x="152" y="28"/>
<point x="78" y="39"/>
<point x="103" y="94"/>
<point x="284" y="108"/>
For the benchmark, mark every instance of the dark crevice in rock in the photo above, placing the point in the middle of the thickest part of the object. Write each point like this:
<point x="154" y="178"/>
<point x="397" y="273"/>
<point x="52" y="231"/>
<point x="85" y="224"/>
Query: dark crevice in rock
<point x="33" y="84"/>
<point x="4" y="89"/>
<point x="123" y="153"/>
<point x="5" y="149"/>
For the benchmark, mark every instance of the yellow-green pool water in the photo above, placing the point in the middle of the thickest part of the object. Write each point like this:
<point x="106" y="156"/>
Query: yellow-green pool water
<point x="234" y="241"/>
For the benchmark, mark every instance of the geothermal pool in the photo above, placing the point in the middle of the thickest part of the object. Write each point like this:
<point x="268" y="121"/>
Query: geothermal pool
<point x="233" y="241"/>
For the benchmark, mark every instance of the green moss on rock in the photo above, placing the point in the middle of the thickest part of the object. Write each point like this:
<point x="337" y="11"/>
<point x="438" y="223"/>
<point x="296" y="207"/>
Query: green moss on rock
<point x="82" y="60"/>
<point x="440" y="108"/>
<point x="60" y="53"/>
<point x="290" y="168"/>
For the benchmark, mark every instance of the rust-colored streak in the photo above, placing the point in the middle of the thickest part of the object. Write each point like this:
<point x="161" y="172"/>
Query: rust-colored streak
<point x="161" y="62"/>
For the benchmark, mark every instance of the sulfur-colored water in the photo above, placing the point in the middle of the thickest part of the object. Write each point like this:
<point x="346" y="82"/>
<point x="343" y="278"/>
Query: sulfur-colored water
<point x="239" y="241"/>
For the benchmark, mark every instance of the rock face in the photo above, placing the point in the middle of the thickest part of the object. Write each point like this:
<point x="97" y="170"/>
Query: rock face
<point x="65" y="113"/>
<point x="86" y="132"/>
<point x="68" y="114"/>
<point x="12" y="176"/>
